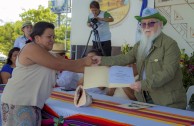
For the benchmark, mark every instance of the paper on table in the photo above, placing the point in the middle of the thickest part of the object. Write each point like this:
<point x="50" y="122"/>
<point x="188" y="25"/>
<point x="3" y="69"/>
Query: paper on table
<point x="103" y="76"/>
<point x="136" y="105"/>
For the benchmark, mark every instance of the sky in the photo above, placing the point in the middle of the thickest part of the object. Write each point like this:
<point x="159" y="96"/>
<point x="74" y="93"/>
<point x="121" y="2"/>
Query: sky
<point x="10" y="9"/>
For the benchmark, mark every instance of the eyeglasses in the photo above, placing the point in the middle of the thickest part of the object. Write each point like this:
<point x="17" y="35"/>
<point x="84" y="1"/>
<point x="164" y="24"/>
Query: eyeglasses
<point x="149" y="24"/>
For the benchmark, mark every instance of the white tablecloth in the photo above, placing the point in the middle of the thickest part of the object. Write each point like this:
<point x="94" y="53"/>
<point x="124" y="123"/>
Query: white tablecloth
<point x="67" y="109"/>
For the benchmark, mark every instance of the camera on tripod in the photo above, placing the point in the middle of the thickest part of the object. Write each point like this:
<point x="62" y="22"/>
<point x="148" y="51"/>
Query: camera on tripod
<point x="94" y="20"/>
<point x="94" y="25"/>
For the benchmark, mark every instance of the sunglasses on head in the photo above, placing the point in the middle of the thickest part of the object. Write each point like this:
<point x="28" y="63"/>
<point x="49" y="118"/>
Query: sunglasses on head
<point x="149" y="24"/>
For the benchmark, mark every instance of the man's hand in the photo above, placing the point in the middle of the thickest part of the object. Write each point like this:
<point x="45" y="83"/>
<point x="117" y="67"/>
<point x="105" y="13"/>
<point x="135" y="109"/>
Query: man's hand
<point x="89" y="25"/>
<point x="88" y="61"/>
<point x="96" y="60"/>
<point x="136" y="86"/>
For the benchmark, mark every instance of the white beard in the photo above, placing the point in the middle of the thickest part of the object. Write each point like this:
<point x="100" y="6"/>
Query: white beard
<point x="145" y="44"/>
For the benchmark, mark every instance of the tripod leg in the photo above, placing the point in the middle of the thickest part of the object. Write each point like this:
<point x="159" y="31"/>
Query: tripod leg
<point x="86" y="47"/>
<point x="99" y="45"/>
<point x="100" y="48"/>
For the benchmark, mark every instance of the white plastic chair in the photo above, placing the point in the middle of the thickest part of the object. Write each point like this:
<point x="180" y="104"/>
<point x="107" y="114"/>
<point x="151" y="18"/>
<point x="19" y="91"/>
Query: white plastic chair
<point x="189" y="93"/>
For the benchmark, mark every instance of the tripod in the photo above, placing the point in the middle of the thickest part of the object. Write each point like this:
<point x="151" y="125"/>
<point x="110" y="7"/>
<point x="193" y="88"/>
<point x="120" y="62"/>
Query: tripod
<point x="96" y="38"/>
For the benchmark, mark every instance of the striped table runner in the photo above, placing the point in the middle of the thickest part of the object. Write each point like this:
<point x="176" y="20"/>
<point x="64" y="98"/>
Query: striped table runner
<point x="80" y="119"/>
<point x="165" y="117"/>
<point x="97" y="121"/>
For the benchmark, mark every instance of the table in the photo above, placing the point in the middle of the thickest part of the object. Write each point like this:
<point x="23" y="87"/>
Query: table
<point x="104" y="106"/>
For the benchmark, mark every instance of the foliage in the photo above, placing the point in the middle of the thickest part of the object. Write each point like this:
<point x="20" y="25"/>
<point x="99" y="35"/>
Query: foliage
<point x="41" y="14"/>
<point x="11" y="30"/>
<point x="58" y="121"/>
<point x="125" y="48"/>
<point x="60" y="34"/>
<point x="187" y="66"/>
<point x="7" y="37"/>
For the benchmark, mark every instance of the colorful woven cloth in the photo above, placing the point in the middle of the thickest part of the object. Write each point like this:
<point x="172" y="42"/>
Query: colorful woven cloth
<point x="163" y="117"/>
<point x="96" y="120"/>
<point x="67" y="122"/>
<point x="79" y="120"/>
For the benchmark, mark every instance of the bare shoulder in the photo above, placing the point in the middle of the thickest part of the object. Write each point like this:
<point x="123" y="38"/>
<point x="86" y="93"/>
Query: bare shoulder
<point x="31" y="47"/>
<point x="28" y="52"/>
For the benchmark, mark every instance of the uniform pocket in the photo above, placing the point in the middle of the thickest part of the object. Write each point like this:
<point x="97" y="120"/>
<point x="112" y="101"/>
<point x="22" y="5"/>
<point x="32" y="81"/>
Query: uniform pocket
<point x="155" y="60"/>
<point x="155" y="64"/>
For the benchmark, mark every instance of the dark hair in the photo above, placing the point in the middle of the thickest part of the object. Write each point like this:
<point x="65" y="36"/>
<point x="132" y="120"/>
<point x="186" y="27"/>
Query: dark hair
<point x="28" y="41"/>
<point x="39" y="28"/>
<point x="96" y="51"/>
<point x="10" y="54"/>
<point x="94" y="4"/>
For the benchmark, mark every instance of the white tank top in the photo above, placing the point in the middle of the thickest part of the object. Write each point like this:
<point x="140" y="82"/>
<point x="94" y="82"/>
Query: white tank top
<point x="29" y="85"/>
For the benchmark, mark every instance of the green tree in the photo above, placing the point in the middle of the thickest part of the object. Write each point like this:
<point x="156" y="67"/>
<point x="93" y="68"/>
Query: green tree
<point x="6" y="37"/>
<point x="41" y="14"/>
<point x="45" y="14"/>
<point x="11" y="30"/>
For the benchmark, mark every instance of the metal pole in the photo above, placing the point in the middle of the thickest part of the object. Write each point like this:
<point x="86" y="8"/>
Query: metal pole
<point x="59" y="19"/>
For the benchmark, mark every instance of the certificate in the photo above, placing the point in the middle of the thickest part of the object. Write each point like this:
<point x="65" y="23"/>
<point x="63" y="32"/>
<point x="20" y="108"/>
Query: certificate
<point x="103" y="76"/>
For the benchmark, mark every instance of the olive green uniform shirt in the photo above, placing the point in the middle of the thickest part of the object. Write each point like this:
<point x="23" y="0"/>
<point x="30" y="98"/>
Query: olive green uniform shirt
<point x="163" y="74"/>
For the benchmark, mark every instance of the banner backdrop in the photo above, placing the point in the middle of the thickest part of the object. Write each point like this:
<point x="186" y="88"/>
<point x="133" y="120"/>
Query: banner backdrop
<point x="180" y="26"/>
<point x="123" y="28"/>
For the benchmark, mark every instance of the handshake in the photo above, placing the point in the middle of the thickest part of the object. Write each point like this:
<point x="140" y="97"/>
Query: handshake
<point x="92" y="60"/>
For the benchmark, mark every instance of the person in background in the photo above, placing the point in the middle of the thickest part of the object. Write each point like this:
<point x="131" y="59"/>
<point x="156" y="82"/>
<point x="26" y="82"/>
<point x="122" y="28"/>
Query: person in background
<point x="34" y="77"/>
<point x="66" y="79"/>
<point x="20" y="42"/>
<point x="6" y="71"/>
<point x="99" y="20"/>
<point x="98" y="90"/>
<point x="157" y="57"/>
